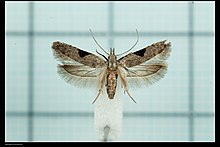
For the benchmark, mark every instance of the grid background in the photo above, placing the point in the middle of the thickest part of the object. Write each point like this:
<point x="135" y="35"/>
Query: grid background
<point x="40" y="106"/>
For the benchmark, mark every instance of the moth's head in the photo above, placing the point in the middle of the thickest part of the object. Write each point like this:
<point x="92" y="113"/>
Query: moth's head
<point x="112" y="51"/>
<point x="112" y="59"/>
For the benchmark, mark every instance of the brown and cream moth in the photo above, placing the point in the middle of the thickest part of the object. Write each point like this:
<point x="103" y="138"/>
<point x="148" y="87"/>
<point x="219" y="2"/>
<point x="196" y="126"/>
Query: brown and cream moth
<point x="85" y="69"/>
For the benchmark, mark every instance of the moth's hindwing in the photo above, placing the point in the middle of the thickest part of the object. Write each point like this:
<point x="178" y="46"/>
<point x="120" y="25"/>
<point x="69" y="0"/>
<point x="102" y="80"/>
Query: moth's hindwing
<point x="82" y="76"/>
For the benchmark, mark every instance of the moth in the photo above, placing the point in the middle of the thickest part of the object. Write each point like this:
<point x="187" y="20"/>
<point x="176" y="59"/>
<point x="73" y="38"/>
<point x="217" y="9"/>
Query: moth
<point x="82" y="68"/>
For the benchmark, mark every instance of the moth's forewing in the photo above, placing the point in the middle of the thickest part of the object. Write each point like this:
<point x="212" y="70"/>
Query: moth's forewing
<point x="160" y="50"/>
<point x="64" y="51"/>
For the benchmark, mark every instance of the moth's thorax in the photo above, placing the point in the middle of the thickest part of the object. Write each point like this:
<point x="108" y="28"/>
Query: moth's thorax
<point x="112" y="60"/>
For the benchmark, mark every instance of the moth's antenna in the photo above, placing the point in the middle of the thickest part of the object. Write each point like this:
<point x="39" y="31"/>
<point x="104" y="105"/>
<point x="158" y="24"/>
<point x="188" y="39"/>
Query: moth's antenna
<point x="132" y="46"/>
<point x="97" y="42"/>
<point x="101" y="55"/>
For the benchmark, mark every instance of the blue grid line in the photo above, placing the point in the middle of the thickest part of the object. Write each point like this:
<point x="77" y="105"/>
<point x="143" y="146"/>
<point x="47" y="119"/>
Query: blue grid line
<point x="191" y="72"/>
<point x="30" y="72"/>
<point x="113" y="33"/>
<point x="126" y="114"/>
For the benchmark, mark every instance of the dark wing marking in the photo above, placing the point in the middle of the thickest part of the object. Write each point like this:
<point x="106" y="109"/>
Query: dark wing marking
<point x="83" y="53"/>
<point x="140" y="52"/>
<point x="160" y="50"/>
<point x="65" y="52"/>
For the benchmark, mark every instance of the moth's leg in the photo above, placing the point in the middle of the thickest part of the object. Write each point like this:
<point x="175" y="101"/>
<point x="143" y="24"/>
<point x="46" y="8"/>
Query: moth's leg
<point x="102" y="81"/>
<point x="123" y="81"/>
<point x="130" y="95"/>
<point x="100" y="90"/>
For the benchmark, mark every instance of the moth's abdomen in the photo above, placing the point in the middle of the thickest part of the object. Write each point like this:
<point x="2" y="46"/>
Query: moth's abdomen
<point x="111" y="84"/>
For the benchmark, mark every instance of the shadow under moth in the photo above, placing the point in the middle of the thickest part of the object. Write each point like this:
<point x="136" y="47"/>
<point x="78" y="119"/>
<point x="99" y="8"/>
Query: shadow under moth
<point x="84" y="69"/>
